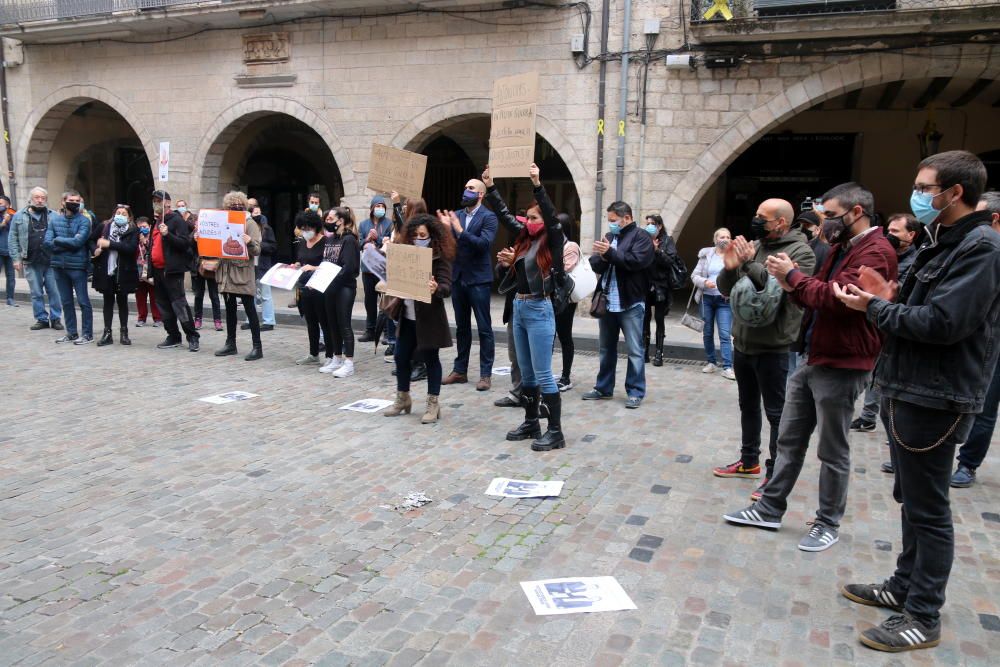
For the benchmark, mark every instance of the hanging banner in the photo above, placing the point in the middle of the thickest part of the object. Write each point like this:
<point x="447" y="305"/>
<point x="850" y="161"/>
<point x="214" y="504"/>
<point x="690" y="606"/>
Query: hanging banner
<point x="164" y="161"/>
<point x="220" y="234"/>
<point x="512" y="125"/>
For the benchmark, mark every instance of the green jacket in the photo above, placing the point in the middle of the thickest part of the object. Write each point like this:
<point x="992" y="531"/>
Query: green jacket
<point x="780" y="334"/>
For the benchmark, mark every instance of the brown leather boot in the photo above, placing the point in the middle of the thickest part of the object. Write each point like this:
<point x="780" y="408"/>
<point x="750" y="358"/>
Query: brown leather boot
<point x="402" y="404"/>
<point x="433" y="410"/>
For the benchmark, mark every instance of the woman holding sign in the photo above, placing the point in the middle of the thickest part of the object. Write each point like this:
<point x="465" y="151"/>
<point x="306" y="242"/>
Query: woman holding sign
<point x="537" y="249"/>
<point x="308" y="256"/>
<point x="424" y="326"/>
<point x="236" y="280"/>
<point x="344" y="250"/>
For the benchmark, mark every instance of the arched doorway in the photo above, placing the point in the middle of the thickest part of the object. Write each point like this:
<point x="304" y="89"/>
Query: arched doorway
<point x="278" y="160"/>
<point x="875" y="135"/>
<point x="87" y="145"/>
<point x="457" y="150"/>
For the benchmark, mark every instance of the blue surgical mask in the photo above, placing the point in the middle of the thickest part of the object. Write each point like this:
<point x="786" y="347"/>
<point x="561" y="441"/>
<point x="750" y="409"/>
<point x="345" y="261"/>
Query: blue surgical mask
<point x="651" y="230"/>
<point x="379" y="212"/>
<point x="144" y="231"/>
<point x="314" y="207"/>
<point x="423" y="243"/>
<point x="614" y="228"/>
<point x="182" y="209"/>
<point x="922" y="205"/>
<point x="121" y="220"/>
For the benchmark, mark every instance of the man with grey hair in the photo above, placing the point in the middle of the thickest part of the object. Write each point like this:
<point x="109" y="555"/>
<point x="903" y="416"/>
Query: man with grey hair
<point x="27" y="249"/>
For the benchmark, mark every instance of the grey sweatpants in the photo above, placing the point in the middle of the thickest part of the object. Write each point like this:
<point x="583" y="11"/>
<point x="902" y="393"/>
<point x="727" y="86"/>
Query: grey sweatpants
<point x="823" y="398"/>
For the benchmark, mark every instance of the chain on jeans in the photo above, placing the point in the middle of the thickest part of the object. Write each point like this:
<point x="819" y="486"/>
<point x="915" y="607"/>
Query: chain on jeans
<point x="895" y="434"/>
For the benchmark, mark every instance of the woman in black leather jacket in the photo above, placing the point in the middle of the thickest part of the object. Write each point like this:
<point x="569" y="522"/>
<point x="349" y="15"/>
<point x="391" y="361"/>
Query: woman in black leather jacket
<point x="658" y="298"/>
<point x="537" y="248"/>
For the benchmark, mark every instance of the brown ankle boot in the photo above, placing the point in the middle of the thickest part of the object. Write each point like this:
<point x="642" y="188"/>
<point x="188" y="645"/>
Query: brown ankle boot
<point x="433" y="410"/>
<point x="402" y="404"/>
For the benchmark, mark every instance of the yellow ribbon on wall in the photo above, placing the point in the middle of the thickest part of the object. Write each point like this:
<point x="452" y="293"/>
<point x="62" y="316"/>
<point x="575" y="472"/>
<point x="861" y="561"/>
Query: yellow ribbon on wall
<point x="719" y="7"/>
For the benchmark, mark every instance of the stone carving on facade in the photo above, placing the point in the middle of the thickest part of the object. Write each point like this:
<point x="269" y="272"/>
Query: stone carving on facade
<point x="266" y="48"/>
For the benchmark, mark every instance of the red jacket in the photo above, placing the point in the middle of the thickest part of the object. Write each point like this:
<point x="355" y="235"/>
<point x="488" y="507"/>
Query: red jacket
<point x="841" y="337"/>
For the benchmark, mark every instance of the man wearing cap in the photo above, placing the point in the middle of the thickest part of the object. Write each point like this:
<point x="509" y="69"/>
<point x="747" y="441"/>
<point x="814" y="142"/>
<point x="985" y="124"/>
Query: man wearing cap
<point x="761" y="359"/>
<point x="171" y="248"/>
<point x="809" y="223"/>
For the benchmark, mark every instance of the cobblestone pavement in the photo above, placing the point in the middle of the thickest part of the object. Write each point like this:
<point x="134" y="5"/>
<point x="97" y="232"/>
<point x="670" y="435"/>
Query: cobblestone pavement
<point x="138" y="526"/>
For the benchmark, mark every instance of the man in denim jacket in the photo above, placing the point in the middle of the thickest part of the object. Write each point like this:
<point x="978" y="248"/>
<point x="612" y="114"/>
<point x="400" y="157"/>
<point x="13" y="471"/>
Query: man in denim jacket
<point x="939" y="353"/>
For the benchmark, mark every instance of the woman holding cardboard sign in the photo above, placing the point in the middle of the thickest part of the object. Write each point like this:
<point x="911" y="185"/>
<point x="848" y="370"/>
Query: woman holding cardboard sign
<point x="236" y="280"/>
<point x="536" y="251"/>
<point x="424" y="326"/>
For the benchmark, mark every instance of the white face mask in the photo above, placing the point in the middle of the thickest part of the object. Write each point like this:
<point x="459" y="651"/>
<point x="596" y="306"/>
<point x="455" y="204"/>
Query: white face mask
<point x="308" y="235"/>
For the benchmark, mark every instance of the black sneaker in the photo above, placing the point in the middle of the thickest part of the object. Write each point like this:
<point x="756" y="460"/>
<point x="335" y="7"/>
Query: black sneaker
<point x="68" y="338"/>
<point x="753" y="516"/>
<point x="901" y="633"/>
<point x="57" y="324"/>
<point x="507" y="401"/>
<point x="168" y="343"/>
<point x="863" y="425"/>
<point x="245" y="326"/>
<point x="194" y="344"/>
<point x="874" y="595"/>
<point x="39" y="325"/>
<point x="887" y="468"/>
<point x="267" y="327"/>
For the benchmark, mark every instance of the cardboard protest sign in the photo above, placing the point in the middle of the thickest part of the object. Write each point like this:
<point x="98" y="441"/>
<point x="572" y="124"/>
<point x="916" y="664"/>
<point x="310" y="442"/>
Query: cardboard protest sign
<point x="220" y="234"/>
<point x="512" y="126"/>
<point x="282" y="276"/>
<point x="391" y="169"/>
<point x="573" y="595"/>
<point x="408" y="270"/>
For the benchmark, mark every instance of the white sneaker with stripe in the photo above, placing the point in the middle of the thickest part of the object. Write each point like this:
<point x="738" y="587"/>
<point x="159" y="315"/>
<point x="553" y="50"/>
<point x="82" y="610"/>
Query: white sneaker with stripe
<point x="753" y="516"/>
<point x="819" y="538"/>
<point x="901" y="633"/>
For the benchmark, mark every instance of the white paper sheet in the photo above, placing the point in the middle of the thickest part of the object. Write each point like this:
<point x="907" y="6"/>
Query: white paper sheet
<point x="323" y="276"/>
<point x="228" y="397"/>
<point x="367" y="405"/>
<point x="522" y="488"/>
<point x="575" y="595"/>
<point x="281" y="276"/>
<point x="501" y="370"/>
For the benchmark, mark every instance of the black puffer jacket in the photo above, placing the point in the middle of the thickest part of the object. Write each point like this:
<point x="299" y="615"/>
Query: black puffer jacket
<point x="659" y="270"/>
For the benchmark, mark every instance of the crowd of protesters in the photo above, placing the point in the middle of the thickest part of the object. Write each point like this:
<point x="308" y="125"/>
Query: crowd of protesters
<point x="822" y="305"/>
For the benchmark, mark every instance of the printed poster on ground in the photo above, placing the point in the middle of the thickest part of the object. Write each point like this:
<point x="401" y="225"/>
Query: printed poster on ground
<point x="575" y="595"/>
<point x="220" y="234"/>
<point x="523" y="488"/>
<point x="512" y="125"/>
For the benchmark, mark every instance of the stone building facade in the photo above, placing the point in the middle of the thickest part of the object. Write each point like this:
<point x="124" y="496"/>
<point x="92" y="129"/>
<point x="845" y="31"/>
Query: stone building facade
<point x="293" y="94"/>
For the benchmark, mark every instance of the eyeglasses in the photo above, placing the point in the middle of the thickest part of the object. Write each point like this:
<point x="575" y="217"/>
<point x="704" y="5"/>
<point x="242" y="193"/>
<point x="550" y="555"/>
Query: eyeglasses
<point x="922" y="189"/>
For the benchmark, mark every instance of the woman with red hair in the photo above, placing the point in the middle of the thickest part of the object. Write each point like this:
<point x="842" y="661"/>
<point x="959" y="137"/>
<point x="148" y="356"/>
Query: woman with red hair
<point x="536" y="253"/>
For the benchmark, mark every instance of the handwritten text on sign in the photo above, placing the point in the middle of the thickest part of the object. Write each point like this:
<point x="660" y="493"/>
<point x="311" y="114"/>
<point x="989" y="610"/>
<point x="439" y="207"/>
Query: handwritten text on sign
<point x="408" y="269"/>
<point x="395" y="170"/>
<point x="512" y="125"/>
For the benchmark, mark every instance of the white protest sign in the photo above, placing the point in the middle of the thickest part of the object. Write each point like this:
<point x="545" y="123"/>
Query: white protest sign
<point x="228" y="397"/>
<point x="522" y="488"/>
<point x="323" y="276"/>
<point x="575" y="595"/>
<point x="164" y="161"/>
<point x="512" y="125"/>
<point x="367" y="405"/>
<point x="220" y="233"/>
<point x="282" y="276"/>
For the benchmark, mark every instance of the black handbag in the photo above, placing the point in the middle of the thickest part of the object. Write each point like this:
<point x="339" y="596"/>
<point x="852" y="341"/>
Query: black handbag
<point x="599" y="304"/>
<point x="562" y="291"/>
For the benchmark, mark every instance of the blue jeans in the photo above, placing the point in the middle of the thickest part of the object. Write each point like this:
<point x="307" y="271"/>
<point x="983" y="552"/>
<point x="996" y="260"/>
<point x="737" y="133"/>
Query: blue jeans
<point x="715" y="308"/>
<point x="266" y="302"/>
<point x="628" y="322"/>
<point x="390" y="331"/>
<point x="8" y="267"/>
<point x="468" y="300"/>
<point x="534" y="329"/>
<point x="70" y="280"/>
<point x="973" y="452"/>
<point x="40" y="277"/>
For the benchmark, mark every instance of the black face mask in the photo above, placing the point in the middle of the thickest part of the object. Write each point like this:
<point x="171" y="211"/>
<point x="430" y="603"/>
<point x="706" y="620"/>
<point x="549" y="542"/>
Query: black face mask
<point x="894" y="241"/>
<point x="330" y="226"/>
<point x="808" y="232"/>
<point x="758" y="228"/>
<point x="256" y="218"/>
<point x="73" y="206"/>
<point x="38" y="207"/>
<point x="834" y="229"/>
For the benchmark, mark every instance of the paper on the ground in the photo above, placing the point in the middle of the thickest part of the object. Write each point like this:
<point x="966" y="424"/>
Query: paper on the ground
<point x="501" y="370"/>
<point x="573" y="595"/>
<point x="281" y="276"/>
<point x="522" y="488"/>
<point x="323" y="276"/>
<point x="228" y="397"/>
<point x="367" y="405"/>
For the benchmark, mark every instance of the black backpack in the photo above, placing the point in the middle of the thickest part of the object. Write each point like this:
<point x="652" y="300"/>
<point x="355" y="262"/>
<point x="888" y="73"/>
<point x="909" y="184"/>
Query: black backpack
<point x="677" y="274"/>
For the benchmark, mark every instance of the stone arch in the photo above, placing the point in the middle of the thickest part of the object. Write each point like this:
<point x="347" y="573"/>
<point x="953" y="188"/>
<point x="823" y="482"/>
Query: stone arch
<point x="44" y="122"/>
<point x="231" y="122"/>
<point x="421" y="128"/>
<point x="867" y="70"/>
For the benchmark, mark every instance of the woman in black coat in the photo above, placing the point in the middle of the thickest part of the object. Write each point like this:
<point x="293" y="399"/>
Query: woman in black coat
<point x="424" y="326"/>
<point x="116" y="269"/>
<point x="659" y="296"/>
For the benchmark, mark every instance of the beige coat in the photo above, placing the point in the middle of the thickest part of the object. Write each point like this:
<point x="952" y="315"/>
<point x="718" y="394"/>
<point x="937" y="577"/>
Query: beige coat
<point x="236" y="276"/>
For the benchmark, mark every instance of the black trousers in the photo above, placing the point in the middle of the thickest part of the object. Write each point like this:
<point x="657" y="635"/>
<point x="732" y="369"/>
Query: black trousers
<point x="173" y="305"/>
<point x="368" y="281"/>
<point x="339" y="303"/>
<point x="406" y="350"/>
<point x="564" y="332"/>
<point x="112" y="297"/>
<point x="314" y="310"/>
<point x="921" y="486"/>
<point x="198" y="284"/>
<point x="760" y="377"/>
<point x="659" y="310"/>
<point x="251" y="312"/>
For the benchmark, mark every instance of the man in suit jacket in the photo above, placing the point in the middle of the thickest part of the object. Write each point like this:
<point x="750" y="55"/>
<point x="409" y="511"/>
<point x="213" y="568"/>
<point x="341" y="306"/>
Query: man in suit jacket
<point x="475" y="227"/>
